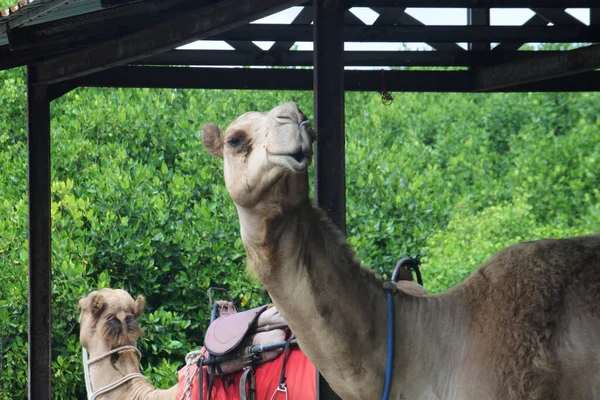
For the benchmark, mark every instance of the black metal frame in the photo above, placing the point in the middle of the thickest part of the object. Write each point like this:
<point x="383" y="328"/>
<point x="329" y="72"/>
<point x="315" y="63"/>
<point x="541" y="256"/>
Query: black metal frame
<point x="86" y="51"/>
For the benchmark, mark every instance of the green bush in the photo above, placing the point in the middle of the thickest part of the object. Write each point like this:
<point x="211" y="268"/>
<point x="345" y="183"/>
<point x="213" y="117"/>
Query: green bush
<point x="138" y="204"/>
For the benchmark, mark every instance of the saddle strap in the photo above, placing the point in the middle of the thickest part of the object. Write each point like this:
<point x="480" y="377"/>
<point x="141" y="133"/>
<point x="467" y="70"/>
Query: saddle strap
<point x="248" y="378"/>
<point x="201" y="379"/>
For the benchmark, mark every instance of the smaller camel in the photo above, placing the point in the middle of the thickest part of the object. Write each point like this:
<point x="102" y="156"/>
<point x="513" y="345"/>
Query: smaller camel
<point x="109" y="332"/>
<point x="108" y="320"/>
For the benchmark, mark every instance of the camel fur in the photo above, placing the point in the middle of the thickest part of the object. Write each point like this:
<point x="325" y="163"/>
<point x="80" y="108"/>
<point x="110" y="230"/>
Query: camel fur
<point x="525" y="325"/>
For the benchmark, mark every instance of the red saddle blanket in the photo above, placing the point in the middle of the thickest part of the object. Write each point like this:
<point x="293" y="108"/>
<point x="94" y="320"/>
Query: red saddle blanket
<point x="300" y="376"/>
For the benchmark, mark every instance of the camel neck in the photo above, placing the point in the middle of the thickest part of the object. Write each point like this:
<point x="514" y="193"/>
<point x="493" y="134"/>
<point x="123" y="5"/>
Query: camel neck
<point x="337" y="309"/>
<point x="322" y="291"/>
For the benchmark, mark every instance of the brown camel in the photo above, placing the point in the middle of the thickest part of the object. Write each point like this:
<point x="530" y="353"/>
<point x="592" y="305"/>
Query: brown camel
<point x="526" y="325"/>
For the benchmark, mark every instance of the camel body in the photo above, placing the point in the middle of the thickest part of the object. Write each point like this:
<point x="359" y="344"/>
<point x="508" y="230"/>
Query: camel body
<point x="526" y="325"/>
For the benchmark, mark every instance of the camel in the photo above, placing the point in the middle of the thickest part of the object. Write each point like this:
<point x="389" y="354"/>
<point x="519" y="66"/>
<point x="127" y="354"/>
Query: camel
<point x="109" y="332"/>
<point x="525" y="325"/>
<point x="108" y="321"/>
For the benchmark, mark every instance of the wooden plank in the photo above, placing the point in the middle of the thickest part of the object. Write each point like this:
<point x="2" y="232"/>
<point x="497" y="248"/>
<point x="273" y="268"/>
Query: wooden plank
<point x="329" y="109"/>
<point x="169" y="34"/>
<point x="535" y="21"/>
<point x="391" y="16"/>
<point x="351" y="58"/>
<point x="39" y="225"/>
<point x="304" y="17"/>
<point x="557" y="16"/>
<point x="429" y="33"/>
<point x="302" y="79"/>
<point x="539" y="68"/>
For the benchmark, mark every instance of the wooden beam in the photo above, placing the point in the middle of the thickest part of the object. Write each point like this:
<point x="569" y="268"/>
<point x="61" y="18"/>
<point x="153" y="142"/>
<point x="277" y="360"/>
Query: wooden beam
<point x="304" y="17"/>
<point x="330" y="168"/>
<point x="393" y="16"/>
<point x="195" y="24"/>
<point x="479" y="3"/>
<point x="329" y="109"/>
<point x="29" y="14"/>
<point x="36" y="43"/>
<point x="39" y="225"/>
<point x="534" y="21"/>
<point x="428" y="33"/>
<point x="557" y="16"/>
<point x="302" y="79"/>
<point x="595" y="17"/>
<point x="539" y="68"/>
<point x="87" y="29"/>
<point x="351" y="58"/>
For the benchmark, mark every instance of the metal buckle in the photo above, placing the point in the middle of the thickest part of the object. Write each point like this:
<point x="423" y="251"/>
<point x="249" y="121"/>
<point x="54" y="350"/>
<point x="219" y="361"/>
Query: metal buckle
<point x="282" y="388"/>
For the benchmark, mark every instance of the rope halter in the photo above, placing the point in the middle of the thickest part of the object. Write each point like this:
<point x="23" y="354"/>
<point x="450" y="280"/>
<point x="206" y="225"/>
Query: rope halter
<point x="91" y="395"/>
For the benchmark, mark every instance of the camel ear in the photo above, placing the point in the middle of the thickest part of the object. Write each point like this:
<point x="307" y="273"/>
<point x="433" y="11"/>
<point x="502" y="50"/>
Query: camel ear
<point x="79" y="308"/>
<point x="138" y="309"/>
<point x="212" y="139"/>
<point x="98" y="304"/>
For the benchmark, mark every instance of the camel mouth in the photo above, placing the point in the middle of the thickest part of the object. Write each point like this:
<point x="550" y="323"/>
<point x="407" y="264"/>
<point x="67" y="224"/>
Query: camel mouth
<point x="297" y="162"/>
<point x="299" y="156"/>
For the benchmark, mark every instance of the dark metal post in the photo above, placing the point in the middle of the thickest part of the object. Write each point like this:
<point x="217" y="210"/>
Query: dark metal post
<point x="38" y="125"/>
<point x="330" y="180"/>
<point x="330" y="174"/>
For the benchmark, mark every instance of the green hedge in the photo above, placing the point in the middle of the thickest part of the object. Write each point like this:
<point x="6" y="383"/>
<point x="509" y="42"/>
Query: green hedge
<point x="138" y="204"/>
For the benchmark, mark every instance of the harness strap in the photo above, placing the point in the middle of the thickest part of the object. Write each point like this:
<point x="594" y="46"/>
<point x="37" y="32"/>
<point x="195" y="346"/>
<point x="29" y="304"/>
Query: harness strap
<point x="201" y="378"/>
<point x="211" y="381"/>
<point x="249" y="394"/>
<point x="286" y="354"/>
<point x="282" y="387"/>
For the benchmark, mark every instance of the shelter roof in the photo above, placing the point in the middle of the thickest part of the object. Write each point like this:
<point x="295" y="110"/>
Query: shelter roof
<point x="68" y="39"/>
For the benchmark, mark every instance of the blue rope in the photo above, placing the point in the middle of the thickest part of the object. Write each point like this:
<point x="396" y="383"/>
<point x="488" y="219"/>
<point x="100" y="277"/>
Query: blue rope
<point x="390" y="346"/>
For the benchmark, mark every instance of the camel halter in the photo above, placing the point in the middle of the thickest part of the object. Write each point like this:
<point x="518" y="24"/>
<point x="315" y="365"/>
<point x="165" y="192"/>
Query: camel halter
<point x="91" y="395"/>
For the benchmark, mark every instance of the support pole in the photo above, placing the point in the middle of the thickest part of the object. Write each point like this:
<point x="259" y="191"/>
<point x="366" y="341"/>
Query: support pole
<point x="595" y="16"/>
<point x="330" y="179"/>
<point x="330" y="185"/>
<point x="38" y="125"/>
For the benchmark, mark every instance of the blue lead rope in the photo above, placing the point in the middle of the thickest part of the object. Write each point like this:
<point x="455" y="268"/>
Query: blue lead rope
<point x="390" y="345"/>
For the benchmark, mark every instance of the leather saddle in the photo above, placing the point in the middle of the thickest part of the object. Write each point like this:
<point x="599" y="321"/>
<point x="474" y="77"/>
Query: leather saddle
<point x="227" y="332"/>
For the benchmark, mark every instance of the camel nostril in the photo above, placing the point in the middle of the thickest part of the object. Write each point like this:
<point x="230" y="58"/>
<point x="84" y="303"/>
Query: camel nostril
<point x="284" y="119"/>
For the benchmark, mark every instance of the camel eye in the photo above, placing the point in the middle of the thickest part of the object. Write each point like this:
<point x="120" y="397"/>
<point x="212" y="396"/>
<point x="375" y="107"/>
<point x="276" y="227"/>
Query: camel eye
<point x="236" y="139"/>
<point x="234" y="142"/>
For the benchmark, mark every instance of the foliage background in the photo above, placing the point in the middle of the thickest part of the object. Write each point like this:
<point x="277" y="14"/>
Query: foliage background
<point x="138" y="204"/>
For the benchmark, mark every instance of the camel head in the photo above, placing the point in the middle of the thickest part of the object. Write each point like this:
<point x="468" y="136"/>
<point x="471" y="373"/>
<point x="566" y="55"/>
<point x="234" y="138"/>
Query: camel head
<point x="265" y="157"/>
<point x="108" y="319"/>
